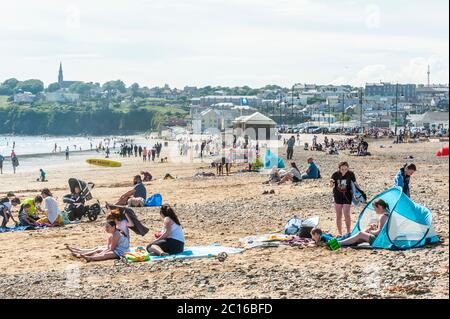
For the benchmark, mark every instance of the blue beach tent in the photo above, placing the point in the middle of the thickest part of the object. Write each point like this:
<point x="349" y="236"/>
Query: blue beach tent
<point x="271" y="160"/>
<point x="409" y="224"/>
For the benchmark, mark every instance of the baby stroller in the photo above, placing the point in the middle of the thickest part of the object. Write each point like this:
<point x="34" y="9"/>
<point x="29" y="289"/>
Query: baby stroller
<point x="75" y="202"/>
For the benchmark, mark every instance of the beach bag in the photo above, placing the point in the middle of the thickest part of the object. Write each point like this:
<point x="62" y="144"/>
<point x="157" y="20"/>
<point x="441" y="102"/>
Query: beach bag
<point x="307" y="226"/>
<point x="359" y="197"/>
<point x="153" y="201"/>
<point x="293" y="226"/>
<point x="64" y="218"/>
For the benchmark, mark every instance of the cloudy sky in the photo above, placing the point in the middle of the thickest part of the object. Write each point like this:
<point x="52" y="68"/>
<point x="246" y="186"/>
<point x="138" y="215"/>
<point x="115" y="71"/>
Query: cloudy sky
<point x="226" y="42"/>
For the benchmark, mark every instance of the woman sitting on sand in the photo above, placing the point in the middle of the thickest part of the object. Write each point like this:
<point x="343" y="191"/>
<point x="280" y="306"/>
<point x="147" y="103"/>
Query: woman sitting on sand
<point x="370" y="234"/>
<point x="122" y="221"/>
<point x="293" y="175"/>
<point x="118" y="244"/>
<point x="170" y="240"/>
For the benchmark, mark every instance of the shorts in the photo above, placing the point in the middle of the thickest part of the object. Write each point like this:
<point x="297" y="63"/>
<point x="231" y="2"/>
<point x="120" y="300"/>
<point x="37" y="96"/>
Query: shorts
<point x="170" y="246"/>
<point x="372" y="239"/>
<point x="343" y="198"/>
<point x="136" y="202"/>
<point x="295" y="179"/>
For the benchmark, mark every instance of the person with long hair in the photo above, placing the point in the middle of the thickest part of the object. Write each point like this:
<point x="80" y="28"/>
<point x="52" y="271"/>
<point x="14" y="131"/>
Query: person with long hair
<point x="293" y="175"/>
<point x="170" y="240"/>
<point x="370" y="234"/>
<point x="341" y="182"/>
<point x="118" y="244"/>
<point x="122" y="220"/>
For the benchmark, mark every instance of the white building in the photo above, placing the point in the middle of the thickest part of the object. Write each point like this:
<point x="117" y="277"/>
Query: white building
<point x="430" y="120"/>
<point x="25" y="97"/>
<point x="61" y="97"/>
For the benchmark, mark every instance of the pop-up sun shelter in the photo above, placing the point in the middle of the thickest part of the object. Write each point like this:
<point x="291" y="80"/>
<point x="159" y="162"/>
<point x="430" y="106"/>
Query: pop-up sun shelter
<point x="271" y="160"/>
<point x="409" y="224"/>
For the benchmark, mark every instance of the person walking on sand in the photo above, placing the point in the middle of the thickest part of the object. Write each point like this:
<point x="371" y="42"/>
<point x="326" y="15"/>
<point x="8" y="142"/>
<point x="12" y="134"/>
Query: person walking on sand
<point x="2" y="158"/>
<point x="14" y="161"/>
<point x="341" y="182"/>
<point x="67" y="153"/>
<point x="290" y="148"/>
<point x="403" y="177"/>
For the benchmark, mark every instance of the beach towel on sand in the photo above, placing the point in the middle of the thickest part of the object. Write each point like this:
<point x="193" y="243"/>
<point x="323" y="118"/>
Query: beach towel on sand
<point x="274" y="240"/>
<point x="139" y="253"/>
<point x="18" y="228"/>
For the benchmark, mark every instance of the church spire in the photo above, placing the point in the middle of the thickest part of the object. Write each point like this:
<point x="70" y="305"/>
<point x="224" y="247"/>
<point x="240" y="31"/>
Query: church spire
<point x="60" y="75"/>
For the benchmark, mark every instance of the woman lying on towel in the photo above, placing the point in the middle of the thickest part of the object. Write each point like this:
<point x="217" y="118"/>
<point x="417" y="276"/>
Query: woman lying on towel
<point x="170" y="240"/>
<point x="118" y="244"/>
<point x="371" y="233"/>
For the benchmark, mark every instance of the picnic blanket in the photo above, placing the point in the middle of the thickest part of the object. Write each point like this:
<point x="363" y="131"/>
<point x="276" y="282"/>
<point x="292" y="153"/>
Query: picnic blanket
<point x="18" y="228"/>
<point x="274" y="240"/>
<point x="139" y="254"/>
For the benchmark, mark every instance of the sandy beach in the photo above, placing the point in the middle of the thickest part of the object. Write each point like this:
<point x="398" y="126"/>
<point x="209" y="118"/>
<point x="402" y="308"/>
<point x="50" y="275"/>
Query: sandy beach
<point x="36" y="264"/>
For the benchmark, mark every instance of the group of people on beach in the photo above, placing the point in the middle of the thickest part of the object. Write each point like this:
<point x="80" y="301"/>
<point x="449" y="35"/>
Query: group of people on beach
<point x="150" y="154"/>
<point x="14" y="161"/>
<point x="343" y="183"/>
<point x="41" y="210"/>
<point x="169" y="241"/>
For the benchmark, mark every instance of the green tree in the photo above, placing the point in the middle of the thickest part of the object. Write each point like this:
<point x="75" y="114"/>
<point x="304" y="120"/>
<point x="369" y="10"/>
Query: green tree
<point x="11" y="83"/>
<point x="53" y="87"/>
<point x="32" y="86"/>
<point x="8" y="86"/>
<point x="81" y="88"/>
<point x="114" y="87"/>
<point x="134" y="90"/>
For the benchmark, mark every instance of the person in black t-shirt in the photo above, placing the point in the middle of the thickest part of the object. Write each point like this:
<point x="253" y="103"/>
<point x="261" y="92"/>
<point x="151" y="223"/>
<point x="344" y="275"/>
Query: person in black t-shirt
<point x="341" y="182"/>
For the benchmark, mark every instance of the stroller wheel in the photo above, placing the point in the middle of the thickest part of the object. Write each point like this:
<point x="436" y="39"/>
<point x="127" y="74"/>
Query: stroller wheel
<point x="92" y="216"/>
<point x="93" y="212"/>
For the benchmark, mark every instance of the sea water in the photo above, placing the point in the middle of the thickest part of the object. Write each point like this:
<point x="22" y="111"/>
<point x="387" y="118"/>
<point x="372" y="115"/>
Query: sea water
<point x="35" y="152"/>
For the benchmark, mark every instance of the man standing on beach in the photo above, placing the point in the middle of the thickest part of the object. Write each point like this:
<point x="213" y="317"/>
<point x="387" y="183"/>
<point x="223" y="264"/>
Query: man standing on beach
<point x="2" y="158"/>
<point x="67" y="153"/>
<point x="290" y="147"/>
